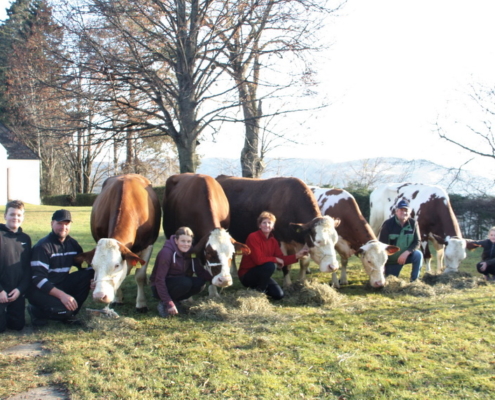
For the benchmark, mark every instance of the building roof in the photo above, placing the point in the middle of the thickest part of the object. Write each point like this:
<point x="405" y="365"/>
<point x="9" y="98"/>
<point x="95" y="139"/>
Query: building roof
<point x="16" y="150"/>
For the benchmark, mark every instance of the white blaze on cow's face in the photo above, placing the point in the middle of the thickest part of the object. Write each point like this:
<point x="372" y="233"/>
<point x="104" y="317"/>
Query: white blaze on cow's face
<point x="110" y="270"/>
<point x="323" y="238"/>
<point x="455" y="252"/>
<point x="218" y="251"/>
<point x="373" y="258"/>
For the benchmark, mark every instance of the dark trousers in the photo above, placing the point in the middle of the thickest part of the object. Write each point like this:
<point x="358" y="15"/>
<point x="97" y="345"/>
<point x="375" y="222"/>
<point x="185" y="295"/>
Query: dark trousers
<point x="12" y="314"/>
<point x="415" y="258"/>
<point x="75" y="284"/>
<point x="182" y="287"/>
<point x="260" y="279"/>
<point x="490" y="269"/>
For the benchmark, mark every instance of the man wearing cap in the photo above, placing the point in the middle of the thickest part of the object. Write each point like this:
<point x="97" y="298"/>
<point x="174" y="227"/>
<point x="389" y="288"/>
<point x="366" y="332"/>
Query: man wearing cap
<point x="57" y="294"/>
<point x="403" y="232"/>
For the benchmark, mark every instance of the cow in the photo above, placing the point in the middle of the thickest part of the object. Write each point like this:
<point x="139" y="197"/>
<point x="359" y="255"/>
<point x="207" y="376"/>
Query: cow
<point x="355" y="236"/>
<point x="198" y="201"/>
<point x="430" y="206"/>
<point x="125" y="222"/>
<point x="299" y="220"/>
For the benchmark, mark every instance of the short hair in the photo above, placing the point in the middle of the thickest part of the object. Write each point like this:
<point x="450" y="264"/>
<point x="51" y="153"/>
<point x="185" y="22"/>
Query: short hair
<point x="184" y="230"/>
<point x="491" y="229"/>
<point x="14" y="204"/>
<point x="266" y="215"/>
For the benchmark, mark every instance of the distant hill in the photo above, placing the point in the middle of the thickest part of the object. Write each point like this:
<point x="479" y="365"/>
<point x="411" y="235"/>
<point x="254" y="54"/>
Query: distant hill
<point x="369" y="172"/>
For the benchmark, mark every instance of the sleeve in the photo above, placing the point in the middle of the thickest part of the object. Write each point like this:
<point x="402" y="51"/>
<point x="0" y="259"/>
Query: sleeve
<point x="288" y="260"/>
<point x="40" y="263"/>
<point x="78" y="249"/>
<point x="161" y="268"/>
<point x="384" y="232"/>
<point x="26" y="267"/>
<point x="416" y="240"/>
<point x="259" y="250"/>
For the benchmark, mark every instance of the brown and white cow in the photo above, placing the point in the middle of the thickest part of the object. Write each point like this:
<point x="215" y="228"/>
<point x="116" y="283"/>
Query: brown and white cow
<point x="430" y="206"/>
<point x="299" y="220"/>
<point x="355" y="236"/>
<point x="125" y="222"/>
<point x="198" y="201"/>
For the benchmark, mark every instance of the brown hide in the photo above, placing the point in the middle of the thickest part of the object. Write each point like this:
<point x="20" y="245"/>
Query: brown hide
<point x="196" y="201"/>
<point x="128" y="210"/>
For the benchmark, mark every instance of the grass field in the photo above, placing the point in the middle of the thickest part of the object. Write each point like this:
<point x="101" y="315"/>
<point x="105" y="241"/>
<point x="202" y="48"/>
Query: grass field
<point x="434" y="342"/>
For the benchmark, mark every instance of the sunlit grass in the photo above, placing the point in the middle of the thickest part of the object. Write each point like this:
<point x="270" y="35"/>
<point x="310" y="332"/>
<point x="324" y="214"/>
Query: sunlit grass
<point x="370" y="344"/>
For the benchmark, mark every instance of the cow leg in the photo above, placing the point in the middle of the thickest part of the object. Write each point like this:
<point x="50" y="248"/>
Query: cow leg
<point x="119" y="298"/>
<point x="343" y="274"/>
<point x="140" y="278"/>
<point x="233" y="268"/>
<point x="287" y="280"/>
<point x="440" y="248"/>
<point x="426" y="255"/>
<point x="303" y="267"/>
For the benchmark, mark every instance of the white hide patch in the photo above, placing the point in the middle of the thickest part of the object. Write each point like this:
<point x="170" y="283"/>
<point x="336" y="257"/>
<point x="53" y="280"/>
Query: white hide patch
<point x="373" y="259"/>
<point x="455" y="252"/>
<point x="323" y="252"/>
<point x="110" y="270"/>
<point x="324" y="201"/>
<point x="221" y="242"/>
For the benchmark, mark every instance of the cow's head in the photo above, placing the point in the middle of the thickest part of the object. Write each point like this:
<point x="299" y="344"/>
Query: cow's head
<point x="374" y="255"/>
<point x="111" y="261"/>
<point x="455" y="252"/>
<point x="219" y="247"/>
<point x="320" y="236"/>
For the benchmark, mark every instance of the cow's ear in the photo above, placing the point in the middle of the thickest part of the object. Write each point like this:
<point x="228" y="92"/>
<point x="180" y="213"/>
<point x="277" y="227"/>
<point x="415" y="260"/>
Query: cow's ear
<point x="470" y="245"/>
<point x="85" y="257"/>
<point x="440" y="239"/>
<point x="133" y="259"/>
<point x="391" y="249"/>
<point x="241" y="248"/>
<point x="298" y="228"/>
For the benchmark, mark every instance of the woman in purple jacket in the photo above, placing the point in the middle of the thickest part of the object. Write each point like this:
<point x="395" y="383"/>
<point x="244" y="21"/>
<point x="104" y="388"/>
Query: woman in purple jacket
<point x="172" y="278"/>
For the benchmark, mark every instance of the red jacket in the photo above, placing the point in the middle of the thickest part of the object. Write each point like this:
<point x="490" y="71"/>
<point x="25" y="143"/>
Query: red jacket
<point x="263" y="250"/>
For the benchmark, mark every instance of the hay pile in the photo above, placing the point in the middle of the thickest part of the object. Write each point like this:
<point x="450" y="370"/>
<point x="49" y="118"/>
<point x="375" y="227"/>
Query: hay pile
<point x="432" y="285"/>
<point x="239" y="305"/>
<point x="313" y="293"/>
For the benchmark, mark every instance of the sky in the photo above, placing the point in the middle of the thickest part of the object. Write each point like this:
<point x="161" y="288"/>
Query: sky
<point x="394" y="67"/>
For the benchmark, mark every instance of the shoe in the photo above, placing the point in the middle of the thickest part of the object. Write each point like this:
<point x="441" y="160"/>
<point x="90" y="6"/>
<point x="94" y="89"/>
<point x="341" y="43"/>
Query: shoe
<point x="162" y="310"/>
<point x="73" y="322"/>
<point x="36" y="321"/>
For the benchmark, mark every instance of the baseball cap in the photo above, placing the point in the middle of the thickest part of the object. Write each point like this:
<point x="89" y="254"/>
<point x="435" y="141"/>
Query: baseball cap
<point x="403" y="204"/>
<point x="62" y="215"/>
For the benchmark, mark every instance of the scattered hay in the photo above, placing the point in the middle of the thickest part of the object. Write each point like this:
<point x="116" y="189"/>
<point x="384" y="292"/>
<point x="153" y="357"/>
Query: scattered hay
<point x="395" y="285"/>
<point x="313" y="293"/>
<point x="240" y="305"/>
<point x="456" y="280"/>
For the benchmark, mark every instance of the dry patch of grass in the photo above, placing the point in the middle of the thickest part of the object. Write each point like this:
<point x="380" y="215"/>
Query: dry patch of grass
<point x="313" y="293"/>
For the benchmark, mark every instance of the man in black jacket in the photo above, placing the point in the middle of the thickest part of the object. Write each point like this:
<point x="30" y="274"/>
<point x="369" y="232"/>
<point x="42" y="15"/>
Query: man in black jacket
<point x="15" y="254"/>
<point x="57" y="294"/>
<point x="403" y="232"/>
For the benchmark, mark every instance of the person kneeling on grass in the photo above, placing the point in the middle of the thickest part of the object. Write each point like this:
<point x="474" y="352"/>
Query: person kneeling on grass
<point x="487" y="264"/>
<point x="257" y="268"/>
<point x="172" y="277"/>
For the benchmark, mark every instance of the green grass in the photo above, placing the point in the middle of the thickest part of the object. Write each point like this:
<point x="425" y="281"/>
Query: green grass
<point x="371" y="345"/>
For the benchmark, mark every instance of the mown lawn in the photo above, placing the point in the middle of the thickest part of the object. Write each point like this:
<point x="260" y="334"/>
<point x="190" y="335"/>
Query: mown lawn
<point x="369" y="345"/>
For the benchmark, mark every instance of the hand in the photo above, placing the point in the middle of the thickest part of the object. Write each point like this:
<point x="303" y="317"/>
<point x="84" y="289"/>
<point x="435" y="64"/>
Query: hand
<point x="483" y="266"/>
<point x="280" y="263"/>
<point x="14" y="295"/>
<point x="3" y="297"/>
<point x="69" y="302"/>
<point x="302" y="253"/>
<point x="172" y="310"/>
<point x="403" y="257"/>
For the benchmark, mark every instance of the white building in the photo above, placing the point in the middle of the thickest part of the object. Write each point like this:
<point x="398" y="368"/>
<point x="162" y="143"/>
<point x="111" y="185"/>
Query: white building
<point x="19" y="170"/>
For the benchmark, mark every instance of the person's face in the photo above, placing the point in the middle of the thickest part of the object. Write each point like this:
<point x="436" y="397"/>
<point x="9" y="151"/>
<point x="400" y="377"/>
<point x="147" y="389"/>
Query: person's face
<point x="13" y="218"/>
<point x="491" y="236"/>
<point x="267" y="226"/>
<point x="61" y="229"/>
<point x="184" y="243"/>
<point x="402" y="214"/>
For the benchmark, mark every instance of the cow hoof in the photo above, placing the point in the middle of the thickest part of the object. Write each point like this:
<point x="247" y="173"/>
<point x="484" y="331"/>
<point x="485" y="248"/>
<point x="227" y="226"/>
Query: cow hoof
<point x="142" y="310"/>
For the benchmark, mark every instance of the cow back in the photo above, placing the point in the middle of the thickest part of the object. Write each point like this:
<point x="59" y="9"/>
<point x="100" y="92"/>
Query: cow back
<point x="194" y="200"/>
<point x="289" y="199"/>
<point x="128" y="210"/>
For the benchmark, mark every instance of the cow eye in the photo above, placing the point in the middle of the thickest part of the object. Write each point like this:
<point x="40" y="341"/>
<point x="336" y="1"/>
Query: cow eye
<point x="116" y="266"/>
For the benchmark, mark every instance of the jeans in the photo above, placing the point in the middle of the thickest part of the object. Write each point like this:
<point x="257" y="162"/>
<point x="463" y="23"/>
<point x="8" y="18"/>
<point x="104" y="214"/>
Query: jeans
<point x="415" y="258"/>
<point x="260" y="279"/>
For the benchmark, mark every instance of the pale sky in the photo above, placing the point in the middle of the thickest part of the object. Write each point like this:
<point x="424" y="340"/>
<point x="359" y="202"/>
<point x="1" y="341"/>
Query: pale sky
<point x="394" y="66"/>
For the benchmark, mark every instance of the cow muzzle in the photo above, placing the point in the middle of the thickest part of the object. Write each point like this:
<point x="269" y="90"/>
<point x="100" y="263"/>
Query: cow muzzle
<point x="222" y="280"/>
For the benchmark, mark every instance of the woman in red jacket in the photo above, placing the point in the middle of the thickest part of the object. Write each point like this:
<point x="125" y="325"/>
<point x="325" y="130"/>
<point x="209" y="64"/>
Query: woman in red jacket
<point x="257" y="268"/>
